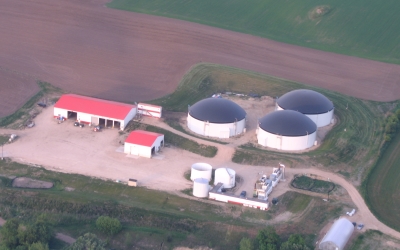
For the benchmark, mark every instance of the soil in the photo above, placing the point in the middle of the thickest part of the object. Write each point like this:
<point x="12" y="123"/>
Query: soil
<point x="23" y="182"/>
<point x="86" y="48"/>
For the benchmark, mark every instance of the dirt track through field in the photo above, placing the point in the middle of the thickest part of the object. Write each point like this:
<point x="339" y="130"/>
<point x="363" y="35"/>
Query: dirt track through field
<point x="89" y="49"/>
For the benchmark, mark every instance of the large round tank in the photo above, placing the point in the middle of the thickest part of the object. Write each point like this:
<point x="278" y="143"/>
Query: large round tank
<point x="226" y="176"/>
<point x="201" y="170"/>
<point x="200" y="187"/>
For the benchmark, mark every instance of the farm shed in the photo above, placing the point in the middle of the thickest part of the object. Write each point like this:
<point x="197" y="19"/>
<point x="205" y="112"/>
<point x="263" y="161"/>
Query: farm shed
<point x="149" y="110"/>
<point x="94" y="111"/>
<point x="286" y="130"/>
<point x="310" y="103"/>
<point x="216" y="117"/>
<point x="338" y="235"/>
<point x="143" y="143"/>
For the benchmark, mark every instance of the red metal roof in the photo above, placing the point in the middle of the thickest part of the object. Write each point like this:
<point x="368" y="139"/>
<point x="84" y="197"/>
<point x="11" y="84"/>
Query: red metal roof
<point x="141" y="137"/>
<point x="94" y="106"/>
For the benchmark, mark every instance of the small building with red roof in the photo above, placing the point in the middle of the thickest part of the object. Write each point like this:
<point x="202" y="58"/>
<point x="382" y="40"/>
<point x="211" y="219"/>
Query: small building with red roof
<point x="143" y="143"/>
<point x="94" y="111"/>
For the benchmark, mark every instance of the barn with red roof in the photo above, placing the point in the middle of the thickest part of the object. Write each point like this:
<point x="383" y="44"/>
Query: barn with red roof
<point x="143" y="143"/>
<point x="94" y="111"/>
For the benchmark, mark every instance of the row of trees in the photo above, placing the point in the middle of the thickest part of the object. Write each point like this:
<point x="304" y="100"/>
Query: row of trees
<point x="268" y="239"/>
<point x="392" y="125"/>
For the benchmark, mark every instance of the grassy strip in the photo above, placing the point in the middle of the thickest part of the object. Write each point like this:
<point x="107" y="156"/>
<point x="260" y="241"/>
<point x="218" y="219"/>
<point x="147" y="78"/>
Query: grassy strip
<point x="21" y="116"/>
<point x="176" y="140"/>
<point x="373" y="32"/>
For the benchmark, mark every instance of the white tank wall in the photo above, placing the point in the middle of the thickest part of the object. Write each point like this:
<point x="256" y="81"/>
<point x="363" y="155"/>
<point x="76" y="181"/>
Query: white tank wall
<point x="201" y="170"/>
<point x="219" y="130"/>
<point x="200" y="188"/>
<point x="267" y="139"/>
<point x="226" y="176"/>
<point x="321" y="120"/>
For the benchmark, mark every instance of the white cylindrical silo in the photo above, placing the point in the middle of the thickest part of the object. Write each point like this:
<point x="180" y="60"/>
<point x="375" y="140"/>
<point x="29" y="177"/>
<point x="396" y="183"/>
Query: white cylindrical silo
<point x="201" y="170"/>
<point x="226" y="176"/>
<point x="200" y="187"/>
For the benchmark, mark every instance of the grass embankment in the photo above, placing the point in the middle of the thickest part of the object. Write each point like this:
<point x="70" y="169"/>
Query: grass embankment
<point x="149" y="217"/>
<point x="382" y="186"/>
<point x="350" y="147"/>
<point x="366" y="28"/>
<point x="176" y="140"/>
<point x="20" y="118"/>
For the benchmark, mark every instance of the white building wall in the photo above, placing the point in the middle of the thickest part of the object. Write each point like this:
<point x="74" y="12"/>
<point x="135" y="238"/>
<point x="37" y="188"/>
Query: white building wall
<point x="150" y="110"/>
<point x="267" y="139"/>
<point x="137" y="150"/>
<point x="321" y="120"/>
<point x="128" y="118"/>
<point x="62" y="112"/>
<point x="157" y="143"/>
<point x="83" y="117"/>
<point x="219" y="130"/>
<point x="262" y="205"/>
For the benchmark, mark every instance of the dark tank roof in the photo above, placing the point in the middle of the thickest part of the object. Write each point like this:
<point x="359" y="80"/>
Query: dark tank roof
<point x="305" y="101"/>
<point x="217" y="110"/>
<point x="287" y="123"/>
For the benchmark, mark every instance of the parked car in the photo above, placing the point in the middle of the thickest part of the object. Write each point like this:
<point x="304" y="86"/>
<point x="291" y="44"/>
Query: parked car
<point x="41" y="104"/>
<point x="360" y="226"/>
<point x="79" y="124"/>
<point x="243" y="194"/>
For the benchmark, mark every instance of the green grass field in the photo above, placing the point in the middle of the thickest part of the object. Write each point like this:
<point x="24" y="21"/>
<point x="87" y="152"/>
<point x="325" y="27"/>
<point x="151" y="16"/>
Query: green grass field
<point x="359" y="28"/>
<point x="383" y="186"/>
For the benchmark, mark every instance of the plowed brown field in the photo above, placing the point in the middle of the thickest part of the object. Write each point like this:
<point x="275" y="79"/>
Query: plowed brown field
<point x="86" y="48"/>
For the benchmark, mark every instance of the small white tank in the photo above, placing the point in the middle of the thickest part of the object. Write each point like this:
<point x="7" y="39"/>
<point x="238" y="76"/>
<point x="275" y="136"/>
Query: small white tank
<point x="226" y="176"/>
<point x="200" y="188"/>
<point x="201" y="170"/>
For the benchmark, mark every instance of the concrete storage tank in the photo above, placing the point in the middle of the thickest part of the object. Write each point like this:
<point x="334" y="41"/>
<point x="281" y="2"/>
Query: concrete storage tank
<point x="310" y="103"/>
<point x="226" y="176"/>
<point x="201" y="170"/>
<point x="286" y="130"/>
<point x="200" y="187"/>
<point x="216" y="117"/>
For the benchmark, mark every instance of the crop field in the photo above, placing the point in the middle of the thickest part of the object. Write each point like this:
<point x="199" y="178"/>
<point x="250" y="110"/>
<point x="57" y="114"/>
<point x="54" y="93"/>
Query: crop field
<point x="351" y="147"/>
<point x="359" y="28"/>
<point x="383" y="186"/>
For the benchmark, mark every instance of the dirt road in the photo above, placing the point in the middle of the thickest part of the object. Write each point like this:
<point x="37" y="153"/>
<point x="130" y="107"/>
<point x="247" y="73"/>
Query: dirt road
<point x="89" y="49"/>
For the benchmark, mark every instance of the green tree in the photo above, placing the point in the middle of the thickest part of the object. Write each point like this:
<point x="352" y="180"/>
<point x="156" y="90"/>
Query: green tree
<point x="39" y="232"/>
<point x="38" y="246"/>
<point x="88" y="241"/>
<point x="246" y="244"/>
<point x="295" y="242"/>
<point x="9" y="233"/>
<point x="108" y="225"/>
<point x="268" y="239"/>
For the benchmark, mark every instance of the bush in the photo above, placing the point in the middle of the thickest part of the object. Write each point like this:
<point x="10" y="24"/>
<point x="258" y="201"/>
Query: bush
<point x="108" y="225"/>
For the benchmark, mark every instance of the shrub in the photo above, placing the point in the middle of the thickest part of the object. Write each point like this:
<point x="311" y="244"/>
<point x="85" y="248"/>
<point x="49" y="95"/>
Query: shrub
<point x="108" y="225"/>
